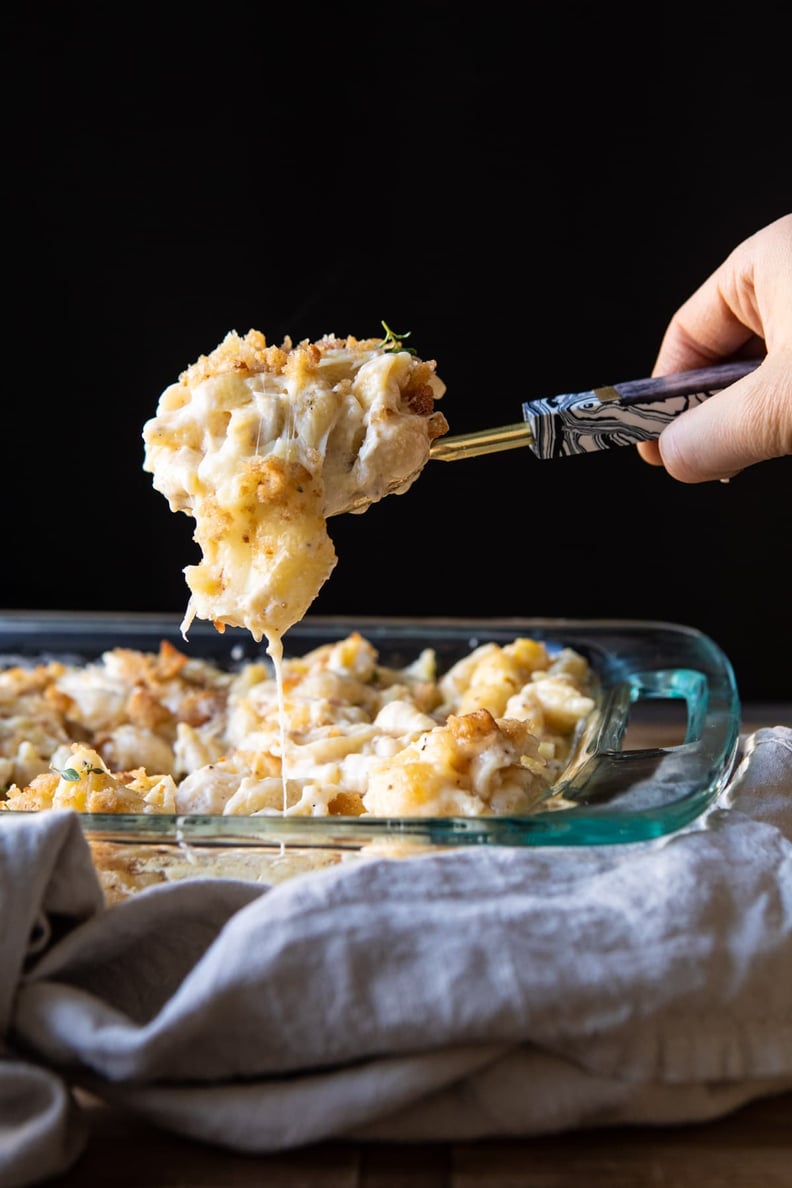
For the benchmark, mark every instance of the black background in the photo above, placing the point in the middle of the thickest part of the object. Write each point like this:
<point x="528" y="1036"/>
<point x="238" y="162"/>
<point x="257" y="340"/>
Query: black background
<point x="529" y="192"/>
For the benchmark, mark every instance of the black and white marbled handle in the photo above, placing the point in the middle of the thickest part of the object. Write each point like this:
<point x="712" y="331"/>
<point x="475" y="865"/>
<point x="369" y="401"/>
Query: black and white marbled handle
<point x="637" y="410"/>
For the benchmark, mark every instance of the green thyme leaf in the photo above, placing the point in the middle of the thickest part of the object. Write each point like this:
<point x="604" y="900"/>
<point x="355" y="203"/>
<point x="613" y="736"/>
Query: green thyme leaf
<point x="68" y="773"/>
<point x="393" y="342"/>
<point x="72" y="775"/>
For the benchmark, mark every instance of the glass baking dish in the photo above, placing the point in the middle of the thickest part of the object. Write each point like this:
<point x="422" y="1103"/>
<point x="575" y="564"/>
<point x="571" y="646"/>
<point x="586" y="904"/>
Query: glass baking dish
<point x="610" y="791"/>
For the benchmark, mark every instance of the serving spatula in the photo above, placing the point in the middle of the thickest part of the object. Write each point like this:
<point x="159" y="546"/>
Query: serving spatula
<point x="579" y="422"/>
<point x="584" y="422"/>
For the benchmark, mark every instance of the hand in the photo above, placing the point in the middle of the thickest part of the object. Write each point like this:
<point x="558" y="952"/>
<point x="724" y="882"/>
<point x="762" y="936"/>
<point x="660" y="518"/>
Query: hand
<point x="743" y="309"/>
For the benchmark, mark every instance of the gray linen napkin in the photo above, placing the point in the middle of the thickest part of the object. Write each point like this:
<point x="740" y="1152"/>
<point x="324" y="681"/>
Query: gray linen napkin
<point x="471" y="993"/>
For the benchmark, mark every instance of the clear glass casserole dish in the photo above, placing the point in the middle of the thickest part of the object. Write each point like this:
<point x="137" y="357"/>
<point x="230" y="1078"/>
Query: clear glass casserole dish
<point x="609" y="792"/>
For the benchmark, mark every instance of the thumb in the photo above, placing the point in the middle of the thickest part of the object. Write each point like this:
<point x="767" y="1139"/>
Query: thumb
<point x="748" y="422"/>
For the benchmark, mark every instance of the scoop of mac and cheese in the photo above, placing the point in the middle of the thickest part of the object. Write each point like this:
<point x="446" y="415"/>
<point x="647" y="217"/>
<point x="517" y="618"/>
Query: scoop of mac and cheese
<point x="261" y="444"/>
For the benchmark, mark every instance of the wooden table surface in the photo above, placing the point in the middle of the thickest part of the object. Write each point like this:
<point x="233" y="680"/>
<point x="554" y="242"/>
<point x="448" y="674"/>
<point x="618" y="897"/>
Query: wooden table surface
<point x="750" y="1148"/>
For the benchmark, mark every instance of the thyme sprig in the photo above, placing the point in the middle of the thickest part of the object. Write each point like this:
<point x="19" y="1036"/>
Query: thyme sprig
<point x="72" y="775"/>
<point x="393" y="342"/>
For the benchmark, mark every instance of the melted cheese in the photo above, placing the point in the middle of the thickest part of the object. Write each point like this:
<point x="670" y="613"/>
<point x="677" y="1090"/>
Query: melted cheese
<point x="261" y="444"/>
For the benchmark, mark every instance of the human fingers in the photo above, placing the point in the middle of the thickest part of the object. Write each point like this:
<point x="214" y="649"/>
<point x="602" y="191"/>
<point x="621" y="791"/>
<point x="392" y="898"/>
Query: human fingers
<point x="742" y="309"/>
<point x="746" y="423"/>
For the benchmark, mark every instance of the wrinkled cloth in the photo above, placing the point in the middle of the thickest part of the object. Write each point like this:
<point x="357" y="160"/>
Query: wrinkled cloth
<point x="469" y="993"/>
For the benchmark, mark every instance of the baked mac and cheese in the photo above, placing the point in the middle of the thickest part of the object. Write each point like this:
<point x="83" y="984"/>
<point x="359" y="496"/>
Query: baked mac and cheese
<point x="134" y="732"/>
<point x="261" y="445"/>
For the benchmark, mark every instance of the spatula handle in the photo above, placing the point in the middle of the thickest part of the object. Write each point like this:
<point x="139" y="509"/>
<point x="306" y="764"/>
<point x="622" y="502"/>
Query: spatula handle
<point x="625" y="413"/>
